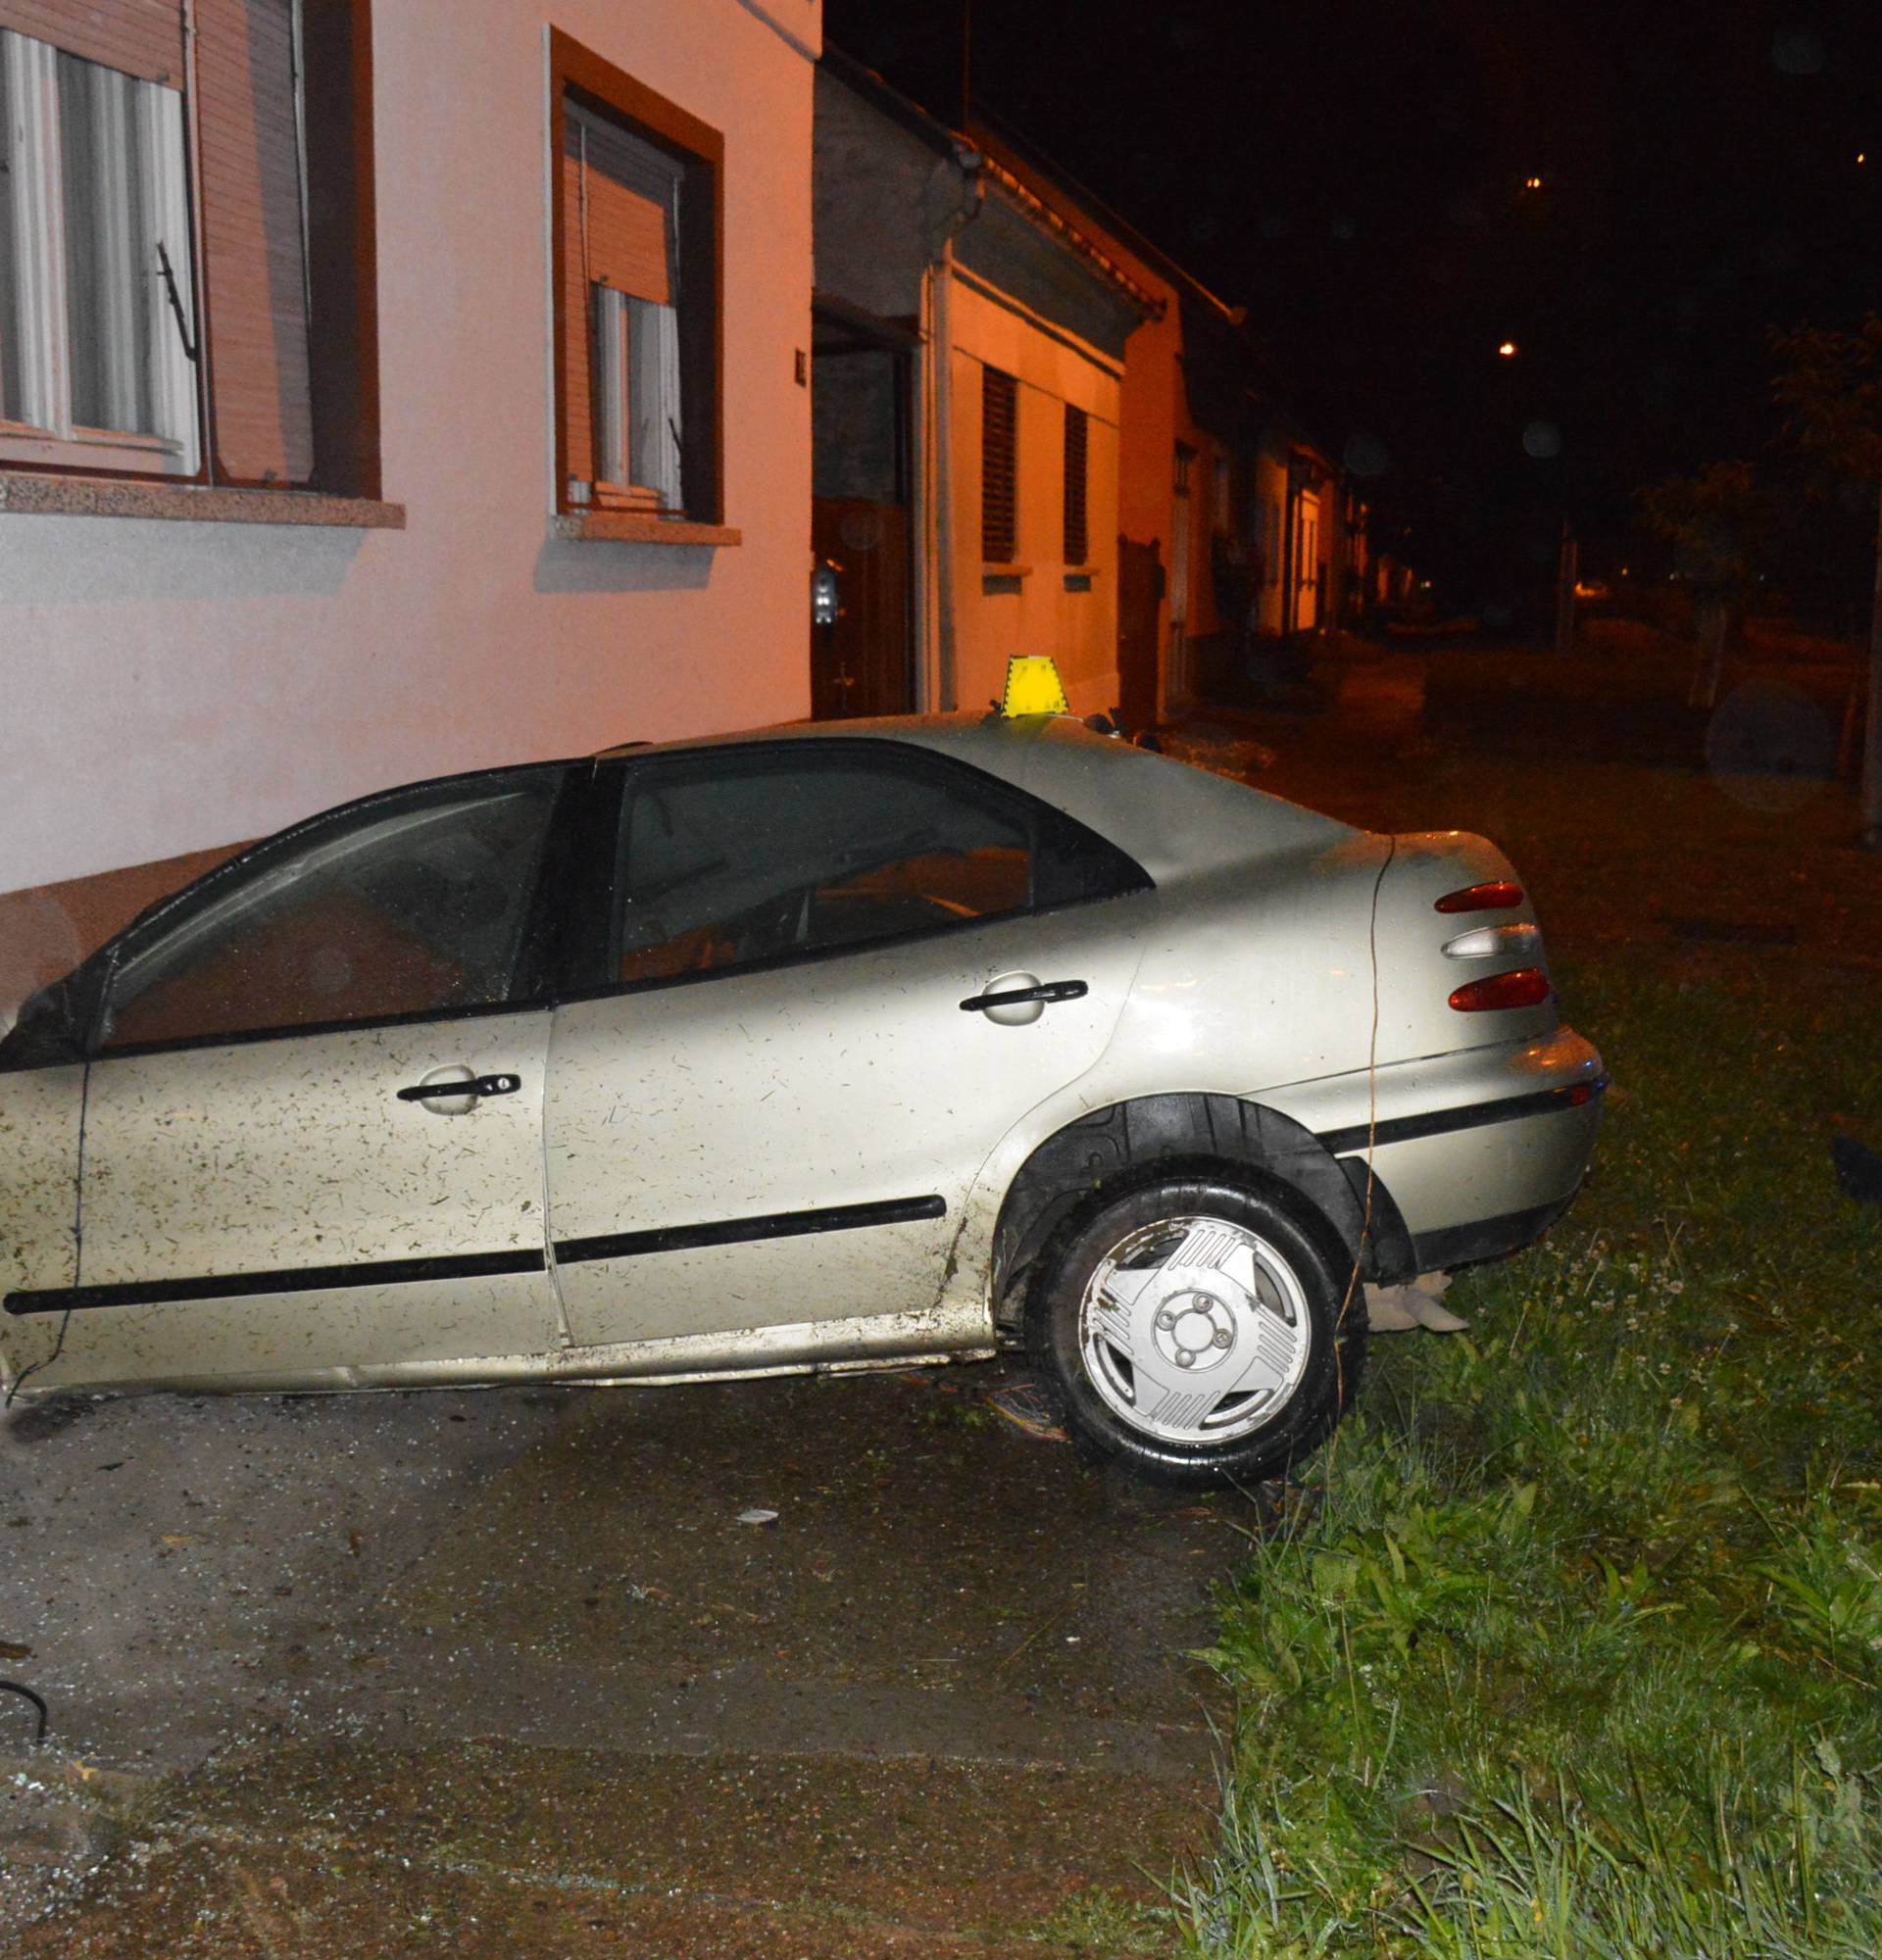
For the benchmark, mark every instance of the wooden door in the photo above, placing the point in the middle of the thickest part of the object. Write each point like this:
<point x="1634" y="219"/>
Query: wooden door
<point x="861" y="522"/>
<point x="1140" y="598"/>
<point x="1177" y="685"/>
<point x="1308" y="572"/>
<point x="860" y="665"/>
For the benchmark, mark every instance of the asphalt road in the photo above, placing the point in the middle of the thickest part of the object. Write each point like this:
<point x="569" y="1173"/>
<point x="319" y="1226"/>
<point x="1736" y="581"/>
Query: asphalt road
<point x="511" y="1671"/>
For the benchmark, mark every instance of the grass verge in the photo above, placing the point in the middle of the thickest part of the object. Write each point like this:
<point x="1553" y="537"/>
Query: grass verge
<point x="1574" y="1645"/>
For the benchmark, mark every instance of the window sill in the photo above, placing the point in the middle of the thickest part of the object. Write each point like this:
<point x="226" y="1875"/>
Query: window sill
<point x="628" y="528"/>
<point x="25" y="494"/>
<point x="993" y="569"/>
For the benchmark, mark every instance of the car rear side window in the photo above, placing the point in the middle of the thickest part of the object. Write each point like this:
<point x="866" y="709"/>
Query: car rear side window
<point x="743" y="857"/>
<point x="416" y="904"/>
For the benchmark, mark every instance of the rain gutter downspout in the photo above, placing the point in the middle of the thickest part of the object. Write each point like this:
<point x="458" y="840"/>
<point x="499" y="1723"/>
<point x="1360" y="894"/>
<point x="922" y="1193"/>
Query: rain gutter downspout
<point x="941" y="355"/>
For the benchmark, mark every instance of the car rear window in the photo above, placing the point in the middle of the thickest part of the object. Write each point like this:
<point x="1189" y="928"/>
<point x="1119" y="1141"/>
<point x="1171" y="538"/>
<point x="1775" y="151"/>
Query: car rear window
<point x="748" y="856"/>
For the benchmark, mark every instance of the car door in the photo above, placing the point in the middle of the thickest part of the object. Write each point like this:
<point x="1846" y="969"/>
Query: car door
<point x="312" y="1131"/>
<point x="833" y="974"/>
<point x="41" y="1100"/>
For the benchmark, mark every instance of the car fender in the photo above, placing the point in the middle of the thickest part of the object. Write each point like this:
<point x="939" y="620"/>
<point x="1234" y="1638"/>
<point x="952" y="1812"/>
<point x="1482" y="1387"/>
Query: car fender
<point x="1157" y="1135"/>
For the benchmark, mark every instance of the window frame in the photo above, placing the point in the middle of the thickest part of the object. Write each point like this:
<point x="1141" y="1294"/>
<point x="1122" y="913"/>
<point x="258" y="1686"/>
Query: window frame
<point x="587" y="945"/>
<point x="1076" y="499"/>
<point x="44" y="277"/>
<point x="340" y="257"/>
<point x="90" y="984"/>
<point x="999" y="536"/>
<point x="602" y="89"/>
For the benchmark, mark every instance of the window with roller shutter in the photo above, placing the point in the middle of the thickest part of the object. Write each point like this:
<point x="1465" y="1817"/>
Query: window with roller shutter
<point x="637" y="280"/>
<point x="185" y="241"/>
<point x="999" y="466"/>
<point x="1078" y="538"/>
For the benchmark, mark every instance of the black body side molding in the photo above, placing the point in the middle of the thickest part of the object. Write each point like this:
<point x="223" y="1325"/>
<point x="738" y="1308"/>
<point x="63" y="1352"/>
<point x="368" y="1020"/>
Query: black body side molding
<point x="737" y="1231"/>
<point x="1467" y="1116"/>
<point x="291" y="1279"/>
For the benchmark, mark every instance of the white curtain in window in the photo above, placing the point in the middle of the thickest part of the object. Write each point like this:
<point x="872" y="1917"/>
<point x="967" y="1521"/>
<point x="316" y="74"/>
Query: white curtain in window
<point x="636" y="403"/>
<point x="94" y="201"/>
<point x="111" y="247"/>
<point x="12" y="235"/>
<point x="653" y="393"/>
<point x="610" y="330"/>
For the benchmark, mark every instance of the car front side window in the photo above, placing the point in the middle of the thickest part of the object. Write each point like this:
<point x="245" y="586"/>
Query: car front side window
<point x="418" y="903"/>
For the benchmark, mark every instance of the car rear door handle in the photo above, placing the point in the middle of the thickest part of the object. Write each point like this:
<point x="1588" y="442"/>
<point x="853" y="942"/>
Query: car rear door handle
<point x="1047" y="992"/>
<point x="465" y="1085"/>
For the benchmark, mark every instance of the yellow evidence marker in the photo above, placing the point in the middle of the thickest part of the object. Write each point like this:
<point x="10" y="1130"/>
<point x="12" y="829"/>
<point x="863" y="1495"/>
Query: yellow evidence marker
<point x="1033" y="687"/>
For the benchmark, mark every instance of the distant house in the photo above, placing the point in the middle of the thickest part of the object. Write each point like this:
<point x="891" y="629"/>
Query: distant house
<point x="385" y="390"/>
<point x="1238" y="531"/>
<point x="967" y="390"/>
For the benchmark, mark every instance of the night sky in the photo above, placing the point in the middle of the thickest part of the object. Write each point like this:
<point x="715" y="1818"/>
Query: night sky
<point x="1354" y="174"/>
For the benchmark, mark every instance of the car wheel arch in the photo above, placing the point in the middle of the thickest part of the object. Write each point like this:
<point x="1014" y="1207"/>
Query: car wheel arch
<point x="1150" y="1138"/>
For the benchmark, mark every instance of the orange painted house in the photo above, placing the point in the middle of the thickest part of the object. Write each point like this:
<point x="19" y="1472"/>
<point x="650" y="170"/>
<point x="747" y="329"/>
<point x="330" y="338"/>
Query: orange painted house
<point x="1239" y="536"/>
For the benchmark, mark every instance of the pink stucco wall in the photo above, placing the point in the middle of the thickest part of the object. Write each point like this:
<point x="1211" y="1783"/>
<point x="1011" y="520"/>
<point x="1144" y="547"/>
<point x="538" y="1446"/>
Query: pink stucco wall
<point x="174" y="687"/>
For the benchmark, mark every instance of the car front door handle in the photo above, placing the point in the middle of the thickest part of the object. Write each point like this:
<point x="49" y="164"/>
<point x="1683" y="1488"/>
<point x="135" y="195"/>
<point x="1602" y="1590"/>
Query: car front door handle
<point x="430" y="1091"/>
<point x="1045" y="992"/>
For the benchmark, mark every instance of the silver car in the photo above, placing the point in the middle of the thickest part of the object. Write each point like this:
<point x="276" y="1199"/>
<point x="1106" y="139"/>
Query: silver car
<point x="813" y="1049"/>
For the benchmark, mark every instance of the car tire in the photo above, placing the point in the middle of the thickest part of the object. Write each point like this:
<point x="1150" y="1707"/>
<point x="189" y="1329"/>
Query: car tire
<point x="1200" y="1330"/>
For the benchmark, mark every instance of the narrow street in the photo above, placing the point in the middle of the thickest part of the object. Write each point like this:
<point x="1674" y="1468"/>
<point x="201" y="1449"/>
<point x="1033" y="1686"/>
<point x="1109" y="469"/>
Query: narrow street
<point x="506" y="1671"/>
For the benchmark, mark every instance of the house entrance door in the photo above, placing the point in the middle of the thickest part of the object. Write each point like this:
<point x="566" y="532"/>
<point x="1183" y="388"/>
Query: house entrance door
<point x="1306" y="619"/>
<point x="1140" y="597"/>
<point x="1179" y="684"/>
<point x="864" y="663"/>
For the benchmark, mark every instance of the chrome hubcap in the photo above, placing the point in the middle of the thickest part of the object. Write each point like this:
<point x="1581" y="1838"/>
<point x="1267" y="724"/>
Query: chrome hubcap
<point x="1194" y="1330"/>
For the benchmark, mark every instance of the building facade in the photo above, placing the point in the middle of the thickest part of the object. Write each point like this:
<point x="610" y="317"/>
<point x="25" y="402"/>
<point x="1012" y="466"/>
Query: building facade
<point x="1240" y="537"/>
<point x="967" y="394"/>
<point x="387" y="387"/>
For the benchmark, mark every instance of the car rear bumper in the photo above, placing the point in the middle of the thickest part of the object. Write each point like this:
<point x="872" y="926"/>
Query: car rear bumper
<point x="1480" y="1149"/>
<point x="1486" y="1238"/>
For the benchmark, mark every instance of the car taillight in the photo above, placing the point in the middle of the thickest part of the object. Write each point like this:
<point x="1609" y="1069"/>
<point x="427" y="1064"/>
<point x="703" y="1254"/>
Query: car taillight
<point x="1526" y="987"/>
<point x="1497" y="897"/>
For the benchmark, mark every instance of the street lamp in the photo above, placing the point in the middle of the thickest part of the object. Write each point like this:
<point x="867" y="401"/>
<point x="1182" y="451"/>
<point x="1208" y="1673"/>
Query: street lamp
<point x="1508" y="349"/>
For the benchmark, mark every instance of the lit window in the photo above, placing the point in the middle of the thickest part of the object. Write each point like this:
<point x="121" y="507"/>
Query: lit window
<point x="95" y="289"/>
<point x="637" y="198"/>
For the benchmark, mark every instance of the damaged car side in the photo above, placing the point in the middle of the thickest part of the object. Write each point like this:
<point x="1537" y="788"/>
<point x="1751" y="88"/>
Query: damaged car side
<point x="808" y="1048"/>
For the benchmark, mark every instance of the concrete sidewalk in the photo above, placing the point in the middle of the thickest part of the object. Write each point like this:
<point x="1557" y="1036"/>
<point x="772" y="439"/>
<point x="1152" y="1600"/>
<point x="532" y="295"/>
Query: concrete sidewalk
<point x="510" y="1661"/>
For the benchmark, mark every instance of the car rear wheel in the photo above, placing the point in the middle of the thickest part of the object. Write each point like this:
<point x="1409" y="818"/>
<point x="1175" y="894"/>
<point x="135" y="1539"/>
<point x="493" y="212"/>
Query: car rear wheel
<point x="1194" y="1328"/>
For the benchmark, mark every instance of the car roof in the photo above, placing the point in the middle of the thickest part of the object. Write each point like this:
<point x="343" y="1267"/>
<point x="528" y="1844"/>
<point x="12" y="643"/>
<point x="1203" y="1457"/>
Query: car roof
<point x="1171" y="816"/>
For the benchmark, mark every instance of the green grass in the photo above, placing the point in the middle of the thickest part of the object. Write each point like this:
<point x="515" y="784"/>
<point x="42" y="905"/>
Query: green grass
<point x="1571" y="1644"/>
